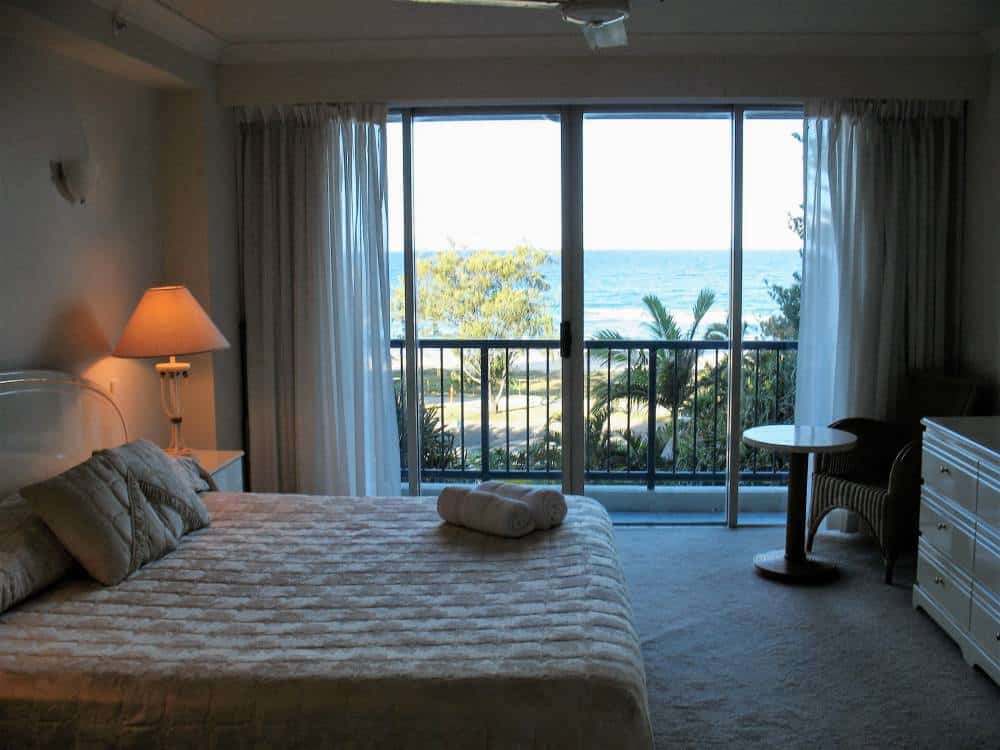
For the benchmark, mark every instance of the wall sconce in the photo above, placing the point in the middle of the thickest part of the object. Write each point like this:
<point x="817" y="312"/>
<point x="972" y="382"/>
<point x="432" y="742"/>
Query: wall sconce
<point x="75" y="179"/>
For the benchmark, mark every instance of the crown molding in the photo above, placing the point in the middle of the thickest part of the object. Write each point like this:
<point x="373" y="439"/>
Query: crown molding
<point x="623" y="79"/>
<point x="84" y="31"/>
<point x="640" y="45"/>
<point x="166" y="23"/>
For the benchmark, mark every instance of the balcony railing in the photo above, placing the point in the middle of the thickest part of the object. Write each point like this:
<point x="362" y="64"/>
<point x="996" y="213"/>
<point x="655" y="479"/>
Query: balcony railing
<point x="674" y="391"/>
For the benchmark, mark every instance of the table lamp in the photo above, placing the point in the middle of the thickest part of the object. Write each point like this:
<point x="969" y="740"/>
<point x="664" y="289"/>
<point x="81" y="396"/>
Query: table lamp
<point x="168" y="321"/>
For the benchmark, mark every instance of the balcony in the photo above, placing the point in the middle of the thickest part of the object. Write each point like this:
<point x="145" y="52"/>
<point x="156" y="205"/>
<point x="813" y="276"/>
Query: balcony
<point x="672" y="390"/>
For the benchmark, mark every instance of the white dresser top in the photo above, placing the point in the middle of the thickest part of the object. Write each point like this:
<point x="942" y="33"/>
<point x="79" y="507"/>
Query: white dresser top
<point x="977" y="432"/>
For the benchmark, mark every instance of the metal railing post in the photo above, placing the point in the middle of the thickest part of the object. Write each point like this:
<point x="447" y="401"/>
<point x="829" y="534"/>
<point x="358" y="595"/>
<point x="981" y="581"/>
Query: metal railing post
<point x="651" y="424"/>
<point x="484" y="410"/>
<point x="694" y="421"/>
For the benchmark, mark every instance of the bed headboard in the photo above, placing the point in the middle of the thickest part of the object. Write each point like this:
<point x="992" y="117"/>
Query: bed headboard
<point x="50" y="421"/>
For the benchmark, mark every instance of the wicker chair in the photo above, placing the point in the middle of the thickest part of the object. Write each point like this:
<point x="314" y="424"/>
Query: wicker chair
<point x="879" y="479"/>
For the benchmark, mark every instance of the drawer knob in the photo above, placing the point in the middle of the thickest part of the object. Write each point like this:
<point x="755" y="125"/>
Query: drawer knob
<point x="944" y="469"/>
<point x="939" y="580"/>
<point x="942" y="526"/>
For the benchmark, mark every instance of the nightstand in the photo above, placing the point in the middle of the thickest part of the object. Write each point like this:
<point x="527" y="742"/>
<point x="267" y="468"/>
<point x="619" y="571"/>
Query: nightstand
<point x="226" y="468"/>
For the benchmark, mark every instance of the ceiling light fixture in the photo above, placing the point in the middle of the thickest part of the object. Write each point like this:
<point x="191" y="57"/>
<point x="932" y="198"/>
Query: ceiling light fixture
<point x="602" y="21"/>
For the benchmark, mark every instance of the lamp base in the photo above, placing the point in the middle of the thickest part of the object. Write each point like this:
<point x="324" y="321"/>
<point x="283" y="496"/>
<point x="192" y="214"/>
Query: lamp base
<point x="172" y="374"/>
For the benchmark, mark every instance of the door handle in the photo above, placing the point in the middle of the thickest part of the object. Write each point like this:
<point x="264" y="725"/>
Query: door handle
<point x="565" y="339"/>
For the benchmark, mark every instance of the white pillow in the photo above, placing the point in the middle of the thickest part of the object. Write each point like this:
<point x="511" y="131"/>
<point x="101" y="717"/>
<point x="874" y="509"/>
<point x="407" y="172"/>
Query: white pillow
<point x="119" y="509"/>
<point x="31" y="557"/>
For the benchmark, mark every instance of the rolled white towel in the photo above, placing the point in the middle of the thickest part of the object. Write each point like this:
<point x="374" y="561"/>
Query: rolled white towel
<point x="485" y="511"/>
<point x="548" y="507"/>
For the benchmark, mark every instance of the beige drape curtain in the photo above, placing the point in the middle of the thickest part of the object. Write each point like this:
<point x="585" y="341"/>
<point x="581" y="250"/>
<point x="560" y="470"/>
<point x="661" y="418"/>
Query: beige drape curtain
<point x="883" y="230"/>
<point x="313" y="247"/>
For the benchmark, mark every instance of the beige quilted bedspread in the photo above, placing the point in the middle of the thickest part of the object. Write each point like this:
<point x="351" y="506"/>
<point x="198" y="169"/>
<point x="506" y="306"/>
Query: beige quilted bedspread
<point x="336" y="622"/>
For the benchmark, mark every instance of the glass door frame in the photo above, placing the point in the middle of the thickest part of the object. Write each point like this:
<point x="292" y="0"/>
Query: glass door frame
<point x="408" y="115"/>
<point x="734" y="436"/>
<point x="734" y="417"/>
<point x="571" y="118"/>
<point x="573" y="262"/>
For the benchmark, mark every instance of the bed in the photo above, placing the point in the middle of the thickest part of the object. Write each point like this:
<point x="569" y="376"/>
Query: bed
<point x="298" y="621"/>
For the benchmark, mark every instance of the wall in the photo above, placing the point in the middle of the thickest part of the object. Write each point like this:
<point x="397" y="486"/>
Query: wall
<point x="198" y="189"/>
<point x="163" y="211"/>
<point x="72" y="274"/>
<point x="220" y="167"/>
<point x="979" y="296"/>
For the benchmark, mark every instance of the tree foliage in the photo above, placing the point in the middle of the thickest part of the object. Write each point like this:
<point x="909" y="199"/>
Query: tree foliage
<point x="784" y="326"/>
<point x="482" y="294"/>
<point x="437" y="446"/>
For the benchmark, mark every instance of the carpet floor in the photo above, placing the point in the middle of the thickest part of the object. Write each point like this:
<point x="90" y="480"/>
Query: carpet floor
<point x="737" y="661"/>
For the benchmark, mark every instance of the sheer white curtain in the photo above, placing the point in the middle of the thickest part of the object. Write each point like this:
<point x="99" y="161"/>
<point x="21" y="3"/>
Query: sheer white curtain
<point x="883" y="217"/>
<point x="312" y="201"/>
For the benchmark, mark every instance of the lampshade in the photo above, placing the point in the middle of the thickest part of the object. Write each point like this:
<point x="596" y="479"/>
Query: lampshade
<point x="168" y="320"/>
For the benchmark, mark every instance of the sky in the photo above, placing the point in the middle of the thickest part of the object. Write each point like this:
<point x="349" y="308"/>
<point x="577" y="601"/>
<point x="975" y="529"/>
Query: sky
<point x="649" y="183"/>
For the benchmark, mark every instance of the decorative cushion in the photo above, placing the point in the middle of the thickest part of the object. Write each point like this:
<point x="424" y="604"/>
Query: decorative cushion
<point x="194" y="475"/>
<point x="31" y="557"/>
<point x="154" y="468"/>
<point x="118" y="510"/>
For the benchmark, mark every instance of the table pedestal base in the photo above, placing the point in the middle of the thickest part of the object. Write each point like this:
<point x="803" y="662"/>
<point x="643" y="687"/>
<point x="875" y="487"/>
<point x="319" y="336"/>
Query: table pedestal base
<point x="792" y="564"/>
<point x="775" y="565"/>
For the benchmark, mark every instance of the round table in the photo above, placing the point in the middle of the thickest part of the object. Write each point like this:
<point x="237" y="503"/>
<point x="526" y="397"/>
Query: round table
<point x="791" y="563"/>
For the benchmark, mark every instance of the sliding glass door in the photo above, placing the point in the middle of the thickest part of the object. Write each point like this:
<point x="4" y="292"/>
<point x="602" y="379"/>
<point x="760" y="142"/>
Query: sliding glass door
<point x="563" y="285"/>
<point x="657" y="190"/>
<point x="485" y="243"/>
<point x="772" y="235"/>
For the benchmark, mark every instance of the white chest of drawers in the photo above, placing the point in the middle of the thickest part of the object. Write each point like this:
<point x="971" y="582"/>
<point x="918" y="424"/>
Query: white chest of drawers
<point x="958" y="558"/>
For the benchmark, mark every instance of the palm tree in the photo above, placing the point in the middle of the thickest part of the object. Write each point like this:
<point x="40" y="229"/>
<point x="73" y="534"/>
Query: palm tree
<point x="675" y="368"/>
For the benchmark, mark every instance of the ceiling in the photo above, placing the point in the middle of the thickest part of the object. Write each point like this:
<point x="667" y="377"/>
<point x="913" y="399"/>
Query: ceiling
<point x="259" y="30"/>
<point x="237" y="21"/>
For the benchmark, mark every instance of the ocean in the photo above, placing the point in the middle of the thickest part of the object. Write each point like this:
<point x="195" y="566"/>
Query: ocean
<point x="615" y="281"/>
